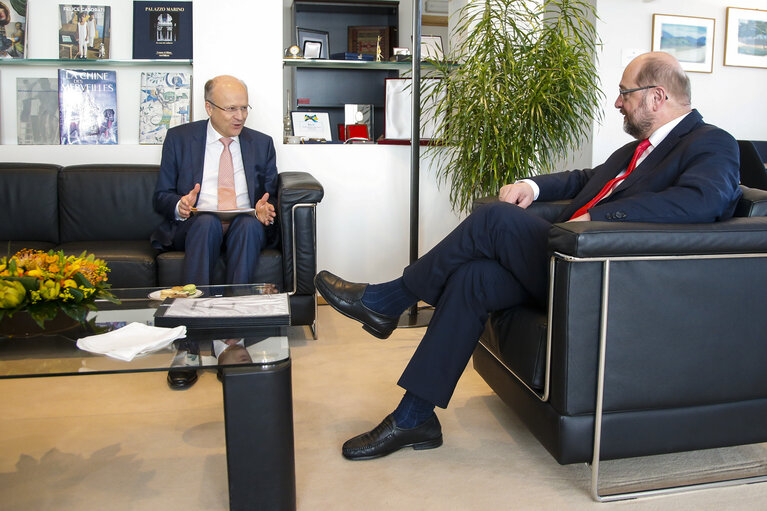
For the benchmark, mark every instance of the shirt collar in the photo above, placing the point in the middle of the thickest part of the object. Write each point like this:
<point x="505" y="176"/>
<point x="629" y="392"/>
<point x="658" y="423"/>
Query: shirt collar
<point x="661" y="133"/>
<point x="215" y="136"/>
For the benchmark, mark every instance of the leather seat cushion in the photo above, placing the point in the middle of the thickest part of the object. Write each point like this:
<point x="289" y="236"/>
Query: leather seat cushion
<point x="268" y="270"/>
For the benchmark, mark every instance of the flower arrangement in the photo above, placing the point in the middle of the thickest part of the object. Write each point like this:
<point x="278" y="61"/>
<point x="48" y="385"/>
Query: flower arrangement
<point x="44" y="283"/>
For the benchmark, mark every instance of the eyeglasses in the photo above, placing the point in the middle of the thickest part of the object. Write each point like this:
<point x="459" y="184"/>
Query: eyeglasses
<point x="232" y="109"/>
<point x="625" y="92"/>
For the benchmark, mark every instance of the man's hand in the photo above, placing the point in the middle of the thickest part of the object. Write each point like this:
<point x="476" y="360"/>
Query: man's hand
<point x="188" y="201"/>
<point x="265" y="211"/>
<point x="521" y="194"/>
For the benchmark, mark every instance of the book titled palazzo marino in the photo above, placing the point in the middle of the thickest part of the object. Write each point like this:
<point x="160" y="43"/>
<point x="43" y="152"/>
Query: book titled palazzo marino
<point x="87" y="106"/>
<point x="162" y="30"/>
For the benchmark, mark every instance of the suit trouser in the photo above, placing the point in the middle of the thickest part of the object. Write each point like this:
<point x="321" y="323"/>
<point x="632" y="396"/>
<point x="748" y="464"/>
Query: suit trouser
<point x="493" y="260"/>
<point x="201" y="238"/>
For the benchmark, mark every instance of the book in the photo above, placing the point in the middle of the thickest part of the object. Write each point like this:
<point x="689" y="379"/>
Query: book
<point x="166" y="100"/>
<point x="87" y="106"/>
<point x="162" y="30"/>
<point x="84" y="31"/>
<point x="37" y="111"/>
<point x="13" y="29"/>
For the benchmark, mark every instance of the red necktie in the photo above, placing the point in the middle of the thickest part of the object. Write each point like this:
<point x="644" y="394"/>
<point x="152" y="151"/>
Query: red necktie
<point x="610" y="186"/>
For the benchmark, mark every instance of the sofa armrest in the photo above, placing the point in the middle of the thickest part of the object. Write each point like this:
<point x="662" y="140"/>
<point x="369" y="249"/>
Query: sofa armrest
<point x="622" y="239"/>
<point x="752" y="203"/>
<point x="297" y="195"/>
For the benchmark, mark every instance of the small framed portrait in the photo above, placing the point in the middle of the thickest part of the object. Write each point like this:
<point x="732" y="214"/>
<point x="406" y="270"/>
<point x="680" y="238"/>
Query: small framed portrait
<point x="690" y="39"/>
<point x="311" y="125"/>
<point x="312" y="49"/>
<point x="745" y="40"/>
<point x="304" y="35"/>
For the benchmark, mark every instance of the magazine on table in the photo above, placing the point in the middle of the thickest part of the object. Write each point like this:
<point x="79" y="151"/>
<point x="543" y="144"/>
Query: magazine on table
<point x="226" y="311"/>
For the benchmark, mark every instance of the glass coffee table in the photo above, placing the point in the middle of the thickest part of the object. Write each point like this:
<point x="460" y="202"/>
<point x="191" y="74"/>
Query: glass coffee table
<point x="255" y="375"/>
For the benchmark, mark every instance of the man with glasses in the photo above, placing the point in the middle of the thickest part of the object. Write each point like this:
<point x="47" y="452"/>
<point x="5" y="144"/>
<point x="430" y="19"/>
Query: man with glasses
<point x="214" y="165"/>
<point x="679" y="170"/>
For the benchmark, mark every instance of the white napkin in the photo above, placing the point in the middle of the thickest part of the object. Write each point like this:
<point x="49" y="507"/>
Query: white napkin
<point x="131" y="340"/>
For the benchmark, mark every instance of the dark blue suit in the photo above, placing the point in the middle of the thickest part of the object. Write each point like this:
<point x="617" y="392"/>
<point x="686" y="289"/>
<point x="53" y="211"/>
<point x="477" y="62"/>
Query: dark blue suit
<point x="497" y="257"/>
<point x="202" y="236"/>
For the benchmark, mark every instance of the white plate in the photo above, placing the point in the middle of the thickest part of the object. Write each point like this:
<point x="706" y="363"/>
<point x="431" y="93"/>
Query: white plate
<point x="157" y="295"/>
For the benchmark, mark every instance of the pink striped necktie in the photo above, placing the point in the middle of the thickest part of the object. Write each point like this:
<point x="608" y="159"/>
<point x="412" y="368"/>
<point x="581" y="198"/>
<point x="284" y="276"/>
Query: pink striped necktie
<point x="227" y="198"/>
<point x="613" y="183"/>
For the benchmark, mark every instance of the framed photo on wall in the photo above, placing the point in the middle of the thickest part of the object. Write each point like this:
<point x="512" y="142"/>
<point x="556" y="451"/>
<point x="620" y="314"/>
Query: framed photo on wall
<point x="304" y="35"/>
<point x="745" y="40"/>
<point x="688" y="38"/>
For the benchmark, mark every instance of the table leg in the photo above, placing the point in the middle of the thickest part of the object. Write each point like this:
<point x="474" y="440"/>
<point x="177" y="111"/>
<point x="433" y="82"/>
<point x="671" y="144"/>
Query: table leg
<point x="258" y="415"/>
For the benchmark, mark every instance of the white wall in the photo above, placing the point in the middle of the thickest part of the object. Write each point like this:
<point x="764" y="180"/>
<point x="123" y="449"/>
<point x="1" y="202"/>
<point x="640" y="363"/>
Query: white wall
<point x="733" y="98"/>
<point x="363" y="222"/>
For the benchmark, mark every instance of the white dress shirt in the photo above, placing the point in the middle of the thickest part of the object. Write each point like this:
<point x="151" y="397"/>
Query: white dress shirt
<point x="208" y="197"/>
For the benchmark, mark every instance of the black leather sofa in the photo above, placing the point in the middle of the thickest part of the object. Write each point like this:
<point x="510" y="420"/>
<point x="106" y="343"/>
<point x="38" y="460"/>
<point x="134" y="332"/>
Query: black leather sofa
<point x="107" y="210"/>
<point x="656" y="330"/>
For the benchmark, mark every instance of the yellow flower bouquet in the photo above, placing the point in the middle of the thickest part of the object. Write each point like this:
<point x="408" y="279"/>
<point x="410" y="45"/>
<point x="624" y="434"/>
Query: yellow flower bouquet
<point x="44" y="283"/>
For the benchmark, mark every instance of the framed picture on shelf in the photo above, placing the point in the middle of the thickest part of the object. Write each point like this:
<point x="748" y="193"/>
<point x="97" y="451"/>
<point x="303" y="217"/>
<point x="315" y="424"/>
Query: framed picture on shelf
<point x="365" y="40"/>
<point x="431" y="47"/>
<point x="304" y="35"/>
<point x="745" y="40"/>
<point x="688" y="38"/>
<point x="311" y="125"/>
<point x="398" y="111"/>
<point x="312" y="49"/>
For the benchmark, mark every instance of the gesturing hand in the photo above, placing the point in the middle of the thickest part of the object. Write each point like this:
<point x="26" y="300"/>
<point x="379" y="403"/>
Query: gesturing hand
<point x="188" y="201"/>
<point x="265" y="211"/>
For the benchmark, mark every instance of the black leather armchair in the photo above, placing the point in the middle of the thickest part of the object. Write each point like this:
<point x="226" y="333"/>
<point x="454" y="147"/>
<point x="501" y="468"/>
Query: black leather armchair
<point x="653" y="340"/>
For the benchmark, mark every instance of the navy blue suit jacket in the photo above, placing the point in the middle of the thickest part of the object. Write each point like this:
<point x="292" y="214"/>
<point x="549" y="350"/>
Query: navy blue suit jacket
<point x="691" y="177"/>
<point x="183" y="157"/>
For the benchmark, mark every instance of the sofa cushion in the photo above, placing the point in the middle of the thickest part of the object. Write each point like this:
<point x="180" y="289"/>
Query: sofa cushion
<point x="29" y="198"/>
<point x="170" y="269"/>
<point x="107" y="202"/>
<point x="131" y="263"/>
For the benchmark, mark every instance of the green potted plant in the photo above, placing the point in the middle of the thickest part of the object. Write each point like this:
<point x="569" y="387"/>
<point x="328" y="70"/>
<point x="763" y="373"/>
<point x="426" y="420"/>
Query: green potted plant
<point x="523" y="95"/>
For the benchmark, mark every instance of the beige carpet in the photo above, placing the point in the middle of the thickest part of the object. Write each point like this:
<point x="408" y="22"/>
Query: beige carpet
<point x="126" y="442"/>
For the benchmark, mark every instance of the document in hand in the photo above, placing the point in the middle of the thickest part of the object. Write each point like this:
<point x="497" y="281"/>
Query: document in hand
<point x="226" y="215"/>
<point x="250" y="310"/>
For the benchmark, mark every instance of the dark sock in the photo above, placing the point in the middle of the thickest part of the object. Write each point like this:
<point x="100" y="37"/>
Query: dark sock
<point x="412" y="411"/>
<point x="390" y="298"/>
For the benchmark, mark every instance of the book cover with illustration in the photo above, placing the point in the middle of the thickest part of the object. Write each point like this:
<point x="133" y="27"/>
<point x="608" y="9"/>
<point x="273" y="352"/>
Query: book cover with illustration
<point x="162" y="30"/>
<point x="165" y="102"/>
<point x="13" y="29"/>
<point x="84" y="31"/>
<point x="37" y="111"/>
<point x="87" y="106"/>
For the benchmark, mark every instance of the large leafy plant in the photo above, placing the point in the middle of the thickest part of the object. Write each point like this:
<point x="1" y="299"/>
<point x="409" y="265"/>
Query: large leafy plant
<point x="523" y="95"/>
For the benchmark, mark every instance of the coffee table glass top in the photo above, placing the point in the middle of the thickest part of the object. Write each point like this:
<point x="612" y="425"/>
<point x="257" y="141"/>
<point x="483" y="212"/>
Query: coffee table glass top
<point x="58" y="355"/>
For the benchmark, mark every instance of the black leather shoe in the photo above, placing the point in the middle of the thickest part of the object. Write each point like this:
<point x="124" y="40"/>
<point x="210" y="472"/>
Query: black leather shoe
<point x="180" y="379"/>
<point x="387" y="437"/>
<point x="345" y="297"/>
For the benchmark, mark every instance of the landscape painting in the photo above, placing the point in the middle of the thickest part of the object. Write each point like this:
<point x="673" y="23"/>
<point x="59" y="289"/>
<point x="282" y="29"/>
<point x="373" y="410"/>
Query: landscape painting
<point x="746" y="38"/>
<point x="689" y="39"/>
